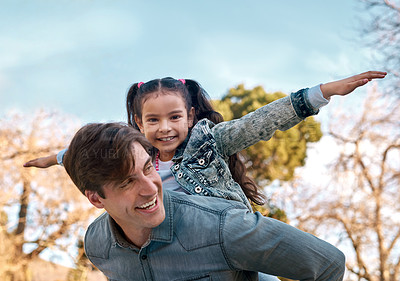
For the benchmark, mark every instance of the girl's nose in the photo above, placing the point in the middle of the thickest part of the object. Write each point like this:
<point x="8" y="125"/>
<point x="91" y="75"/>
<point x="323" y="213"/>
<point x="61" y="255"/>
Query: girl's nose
<point x="164" y="126"/>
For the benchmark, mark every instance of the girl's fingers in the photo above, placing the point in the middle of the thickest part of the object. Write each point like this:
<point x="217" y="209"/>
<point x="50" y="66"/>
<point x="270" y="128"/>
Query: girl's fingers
<point x="373" y="74"/>
<point x="28" y="164"/>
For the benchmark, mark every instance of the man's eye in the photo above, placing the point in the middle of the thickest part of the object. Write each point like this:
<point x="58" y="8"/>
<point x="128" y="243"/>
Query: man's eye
<point x="149" y="167"/>
<point x="126" y="183"/>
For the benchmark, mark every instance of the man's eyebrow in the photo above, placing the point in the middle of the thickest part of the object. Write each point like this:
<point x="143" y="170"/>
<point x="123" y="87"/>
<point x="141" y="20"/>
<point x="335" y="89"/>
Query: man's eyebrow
<point x="147" y="161"/>
<point x="132" y="176"/>
<point x="126" y="181"/>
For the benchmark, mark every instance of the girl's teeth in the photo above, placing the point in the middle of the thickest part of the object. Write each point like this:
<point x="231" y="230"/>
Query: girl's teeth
<point x="166" y="139"/>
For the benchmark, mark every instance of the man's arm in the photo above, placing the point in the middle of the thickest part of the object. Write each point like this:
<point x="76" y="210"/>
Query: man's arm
<point x="256" y="243"/>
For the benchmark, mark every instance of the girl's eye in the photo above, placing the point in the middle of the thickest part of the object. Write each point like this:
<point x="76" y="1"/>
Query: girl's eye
<point x="152" y="120"/>
<point x="175" y="117"/>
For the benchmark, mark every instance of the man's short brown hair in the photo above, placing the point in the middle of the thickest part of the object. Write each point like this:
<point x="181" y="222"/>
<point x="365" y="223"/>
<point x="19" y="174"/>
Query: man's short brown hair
<point x="101" y="153"/>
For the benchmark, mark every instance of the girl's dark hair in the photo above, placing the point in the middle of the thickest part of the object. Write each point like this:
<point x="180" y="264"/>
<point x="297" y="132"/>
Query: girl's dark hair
<point x="194" y="96"/>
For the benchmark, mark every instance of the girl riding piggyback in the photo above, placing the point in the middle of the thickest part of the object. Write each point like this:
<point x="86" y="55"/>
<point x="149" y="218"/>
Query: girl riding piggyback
<point x="196" y="152"/>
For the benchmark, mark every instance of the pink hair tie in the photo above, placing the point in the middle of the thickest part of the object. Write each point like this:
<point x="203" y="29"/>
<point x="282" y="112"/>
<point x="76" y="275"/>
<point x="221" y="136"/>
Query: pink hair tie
<point x="139" y="84"/>
<point x="182" y="80"/>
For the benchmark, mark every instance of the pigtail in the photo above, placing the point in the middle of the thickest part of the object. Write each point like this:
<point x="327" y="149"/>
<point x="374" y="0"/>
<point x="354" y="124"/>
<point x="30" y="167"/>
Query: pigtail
<point x="130" y="109"/>
<point x="248" y="185"/>
<point x="204" y="109"/>
<point x="201" y="103"/>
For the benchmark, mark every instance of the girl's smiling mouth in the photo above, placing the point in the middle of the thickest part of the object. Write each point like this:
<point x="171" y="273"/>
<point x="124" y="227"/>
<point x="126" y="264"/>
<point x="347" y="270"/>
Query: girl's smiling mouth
<point x="166" y="139"/>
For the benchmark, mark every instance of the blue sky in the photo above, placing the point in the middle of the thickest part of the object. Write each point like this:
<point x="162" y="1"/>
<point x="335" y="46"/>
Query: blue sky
<point x="81" y="56"/>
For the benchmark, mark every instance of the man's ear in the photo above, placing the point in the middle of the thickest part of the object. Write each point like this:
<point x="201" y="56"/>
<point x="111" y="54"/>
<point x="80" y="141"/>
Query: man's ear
<point x="191" y="117"/>
<point x="139" y="123"/>
<point x="94" y="198"/>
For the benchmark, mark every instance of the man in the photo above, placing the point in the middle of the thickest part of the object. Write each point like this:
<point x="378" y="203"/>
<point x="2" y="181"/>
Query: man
<point x="150" y="235"/>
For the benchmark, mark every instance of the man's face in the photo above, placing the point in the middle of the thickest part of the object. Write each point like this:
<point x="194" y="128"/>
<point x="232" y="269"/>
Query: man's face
<point x="137" y="204"/>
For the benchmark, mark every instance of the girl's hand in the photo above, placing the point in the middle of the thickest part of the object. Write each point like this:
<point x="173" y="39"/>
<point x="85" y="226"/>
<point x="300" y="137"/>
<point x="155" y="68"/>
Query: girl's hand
<point x="42" y="162"/>
<point x="348" y="85"/>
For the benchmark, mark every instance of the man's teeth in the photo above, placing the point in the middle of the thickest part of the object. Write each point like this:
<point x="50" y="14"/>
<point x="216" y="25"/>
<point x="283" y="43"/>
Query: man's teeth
<point x="166" y="139"/>
<point x="149" y="205"/>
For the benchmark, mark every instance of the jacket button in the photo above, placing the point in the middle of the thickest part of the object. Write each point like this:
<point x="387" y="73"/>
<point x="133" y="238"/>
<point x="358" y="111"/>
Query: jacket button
<point x="180" y="175"/>
<point x="198" y="189"/>
<point x="201" y="162"/>
<point x="144" y="257"/>
<point x="176" y="167"/>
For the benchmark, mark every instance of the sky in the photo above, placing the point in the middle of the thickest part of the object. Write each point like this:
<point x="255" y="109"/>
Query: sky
<point x="79" y="57"/>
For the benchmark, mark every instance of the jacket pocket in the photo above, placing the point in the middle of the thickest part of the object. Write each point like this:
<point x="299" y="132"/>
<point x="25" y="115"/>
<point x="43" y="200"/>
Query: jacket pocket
<point x="207" y="166"/>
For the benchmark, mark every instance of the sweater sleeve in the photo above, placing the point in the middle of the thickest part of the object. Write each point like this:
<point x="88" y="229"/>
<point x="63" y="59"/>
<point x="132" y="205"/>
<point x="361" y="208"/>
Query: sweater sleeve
<point x="60" y="156"/>
<point x="282" y="114"/>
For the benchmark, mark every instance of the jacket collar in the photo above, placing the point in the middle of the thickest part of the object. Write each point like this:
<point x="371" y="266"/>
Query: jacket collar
<point x="181" y="148"/>
<point x="164" y="232"/>
<point x="199" y="132"/>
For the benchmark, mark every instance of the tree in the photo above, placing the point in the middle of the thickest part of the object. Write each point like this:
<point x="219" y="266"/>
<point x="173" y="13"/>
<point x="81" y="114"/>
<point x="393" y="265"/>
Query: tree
<point x="41" y="210"/>
<point x="382" y="34"/>
<point x="277" y="158"/>
<point x="83" y="265"/>
<point x="358" y="207"/>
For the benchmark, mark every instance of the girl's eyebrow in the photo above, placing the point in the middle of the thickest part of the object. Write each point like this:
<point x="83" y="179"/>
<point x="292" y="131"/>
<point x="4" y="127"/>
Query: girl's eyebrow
<point x="175" y="111"/>
<point x="169" y="113"/>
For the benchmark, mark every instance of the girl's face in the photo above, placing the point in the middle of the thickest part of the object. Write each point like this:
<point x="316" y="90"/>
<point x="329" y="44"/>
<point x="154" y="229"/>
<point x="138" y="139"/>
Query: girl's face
<point x="165" y="122"/>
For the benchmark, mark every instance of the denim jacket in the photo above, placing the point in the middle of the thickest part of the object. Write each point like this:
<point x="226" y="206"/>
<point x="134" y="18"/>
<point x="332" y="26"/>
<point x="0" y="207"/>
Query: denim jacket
<point x="211" y="239"/>
<point x="201" y="161"/>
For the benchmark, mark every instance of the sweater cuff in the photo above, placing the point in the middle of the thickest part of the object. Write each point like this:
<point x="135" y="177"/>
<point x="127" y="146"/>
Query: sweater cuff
<point x="301" y="104"/>
<point x="60" y="156"/>
<point x="316" y="98"/>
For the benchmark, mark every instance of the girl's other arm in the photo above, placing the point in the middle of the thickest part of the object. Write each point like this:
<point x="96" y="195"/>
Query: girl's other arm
<point x="42" y="162"/>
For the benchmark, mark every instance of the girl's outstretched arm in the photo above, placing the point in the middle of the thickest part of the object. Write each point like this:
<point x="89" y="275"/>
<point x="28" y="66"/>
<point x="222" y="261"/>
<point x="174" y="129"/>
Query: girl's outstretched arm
<point x="348" y="85"/>
<point x="42" y="162"/>
<point x="282" y="114"/>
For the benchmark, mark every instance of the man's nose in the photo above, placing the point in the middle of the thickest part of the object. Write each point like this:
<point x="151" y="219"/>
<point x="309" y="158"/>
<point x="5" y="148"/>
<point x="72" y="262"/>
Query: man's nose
<point x="148" y="185"/>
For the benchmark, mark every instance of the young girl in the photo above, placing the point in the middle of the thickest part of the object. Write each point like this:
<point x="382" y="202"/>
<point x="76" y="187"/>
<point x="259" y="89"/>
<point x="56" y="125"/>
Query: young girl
<point x="195" y="152"/>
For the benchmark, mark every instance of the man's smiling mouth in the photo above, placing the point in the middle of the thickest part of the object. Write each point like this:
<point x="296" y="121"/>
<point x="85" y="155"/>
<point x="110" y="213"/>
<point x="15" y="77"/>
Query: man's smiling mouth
<point x="148" y="205"/>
